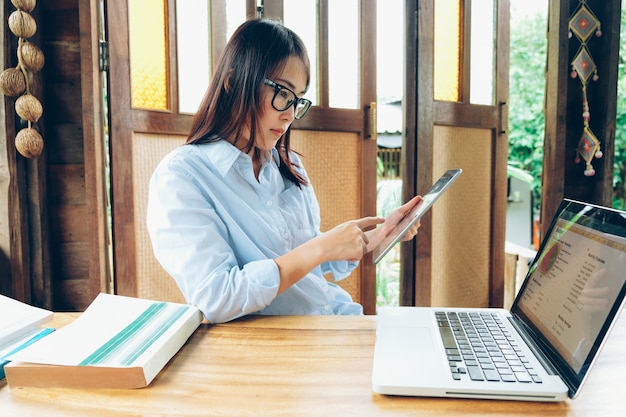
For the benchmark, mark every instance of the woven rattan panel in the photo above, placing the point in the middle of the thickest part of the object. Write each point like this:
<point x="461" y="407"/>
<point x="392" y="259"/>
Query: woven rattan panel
<point x="152" y="281"/>
<point x="332" y="160"/>
<point x="462" y="218"/>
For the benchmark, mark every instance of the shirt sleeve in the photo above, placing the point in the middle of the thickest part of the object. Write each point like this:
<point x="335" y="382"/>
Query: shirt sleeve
<point x="191" y="242"/>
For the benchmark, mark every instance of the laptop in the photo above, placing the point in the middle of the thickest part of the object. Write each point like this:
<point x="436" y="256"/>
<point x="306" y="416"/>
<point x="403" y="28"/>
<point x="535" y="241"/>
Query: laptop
<point x="542" y="349"/>
<point x="418" y="211"/>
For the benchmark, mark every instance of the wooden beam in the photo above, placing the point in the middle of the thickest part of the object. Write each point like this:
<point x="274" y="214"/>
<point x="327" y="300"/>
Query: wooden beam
<point x="95" y="151"/>
<point x="553" y="175"/>
<point x="562" y="176"/>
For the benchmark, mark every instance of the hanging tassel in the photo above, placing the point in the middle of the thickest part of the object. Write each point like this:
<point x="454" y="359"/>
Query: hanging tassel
<point x="583" y="23"/>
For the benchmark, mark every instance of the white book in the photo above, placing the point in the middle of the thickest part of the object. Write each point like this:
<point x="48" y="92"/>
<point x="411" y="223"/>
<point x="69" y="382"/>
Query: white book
<point x="118" y="342"/>
<point x="19" y="327"/>
<point x="19" y="319"/>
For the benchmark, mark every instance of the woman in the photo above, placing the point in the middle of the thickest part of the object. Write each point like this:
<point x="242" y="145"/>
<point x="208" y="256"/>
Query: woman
<point x="231" y="214"/>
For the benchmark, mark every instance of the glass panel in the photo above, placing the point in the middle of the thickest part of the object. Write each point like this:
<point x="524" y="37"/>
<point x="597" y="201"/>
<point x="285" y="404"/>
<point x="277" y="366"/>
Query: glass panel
<point x="343" y="50"/>
<point x="193" y="32"/>
<point x="301" y="17"/>
<point x="482" y="66"/>
<point x="390" y="51"/>
<point x="447" y="50"/>
<point x="148" y="58"/>
<point x="235" y="15"/>
<point x="389" y="93"/>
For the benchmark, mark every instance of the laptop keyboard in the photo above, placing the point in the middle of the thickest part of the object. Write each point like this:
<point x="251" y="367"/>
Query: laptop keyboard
<point x="478" y="346"/>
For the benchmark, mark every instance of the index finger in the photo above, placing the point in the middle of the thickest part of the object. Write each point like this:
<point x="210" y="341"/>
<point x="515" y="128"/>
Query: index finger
<point x="367" y="222"/>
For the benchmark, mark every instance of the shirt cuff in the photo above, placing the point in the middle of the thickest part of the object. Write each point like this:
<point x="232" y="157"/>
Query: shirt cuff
<point x="339" y="269"/>
<point x="264" y="279"/>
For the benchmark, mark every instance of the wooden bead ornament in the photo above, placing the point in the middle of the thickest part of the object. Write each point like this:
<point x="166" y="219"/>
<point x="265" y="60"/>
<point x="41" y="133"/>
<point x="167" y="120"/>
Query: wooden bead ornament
<point x="16" y="81"/>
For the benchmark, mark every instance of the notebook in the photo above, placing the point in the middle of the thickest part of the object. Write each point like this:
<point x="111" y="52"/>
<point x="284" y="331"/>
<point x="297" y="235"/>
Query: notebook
<point x="551" y="336"/>
<point x="418" y="211"/>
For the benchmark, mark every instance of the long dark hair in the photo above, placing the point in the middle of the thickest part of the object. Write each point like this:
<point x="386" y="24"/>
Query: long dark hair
<point x="258" y="49"/>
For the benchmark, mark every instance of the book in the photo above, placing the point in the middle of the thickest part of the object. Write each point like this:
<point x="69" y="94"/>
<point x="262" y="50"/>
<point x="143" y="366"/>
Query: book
<point x="19" y="345"/>
<point x="118" y="342"/>
<point x="19" y="327"/>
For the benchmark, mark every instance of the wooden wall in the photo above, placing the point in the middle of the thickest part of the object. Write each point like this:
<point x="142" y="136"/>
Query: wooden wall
<point x="24" y="258"/>
<point x="64" y="150"/>
<point x="71" y="211"/>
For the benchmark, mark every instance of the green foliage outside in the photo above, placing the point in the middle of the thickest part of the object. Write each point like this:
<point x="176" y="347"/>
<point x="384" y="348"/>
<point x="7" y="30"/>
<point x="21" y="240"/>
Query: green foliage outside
<point x="619" y="173"/>
<point x="526" y="95"/>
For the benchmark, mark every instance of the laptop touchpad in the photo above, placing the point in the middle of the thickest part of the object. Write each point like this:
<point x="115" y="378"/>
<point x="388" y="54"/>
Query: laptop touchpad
<point x="405" y="338"/>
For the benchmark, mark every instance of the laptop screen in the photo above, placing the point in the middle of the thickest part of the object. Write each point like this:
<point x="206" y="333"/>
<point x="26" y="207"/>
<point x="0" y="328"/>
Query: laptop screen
<point x="575" y="287"/>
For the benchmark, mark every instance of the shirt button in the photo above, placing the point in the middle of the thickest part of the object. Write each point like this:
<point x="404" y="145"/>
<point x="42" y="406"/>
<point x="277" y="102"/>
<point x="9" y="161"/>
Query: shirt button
<point x="269" y="203"/>
<point x="286" y="235"/>
<point x="327" y="308"/>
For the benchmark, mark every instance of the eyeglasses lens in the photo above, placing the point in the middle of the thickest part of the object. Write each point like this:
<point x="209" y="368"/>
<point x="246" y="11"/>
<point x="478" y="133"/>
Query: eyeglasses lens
<point x="284" y="99"/>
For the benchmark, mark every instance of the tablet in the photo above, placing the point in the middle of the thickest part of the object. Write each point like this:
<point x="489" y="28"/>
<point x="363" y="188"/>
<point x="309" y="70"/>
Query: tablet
<point x="418" y="211"/>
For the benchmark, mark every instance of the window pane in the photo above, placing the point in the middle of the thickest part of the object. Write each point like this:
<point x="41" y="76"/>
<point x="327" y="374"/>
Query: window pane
<point x="447" y="50"/>
<point x="301" y="17"/>
<point x="343" y="50"/>
<point x="193" y="32"/>
<point x="148" y="41"/>
<point x="235" y="16"/>
<point x="482" y="69"/>
<point x="390" y="50"/>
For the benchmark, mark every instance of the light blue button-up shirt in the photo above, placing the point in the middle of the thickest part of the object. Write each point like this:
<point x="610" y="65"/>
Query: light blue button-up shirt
<point x="217" y="230"/>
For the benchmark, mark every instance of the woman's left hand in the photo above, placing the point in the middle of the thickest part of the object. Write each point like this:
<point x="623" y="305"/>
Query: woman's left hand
<point x="377" y="235"/>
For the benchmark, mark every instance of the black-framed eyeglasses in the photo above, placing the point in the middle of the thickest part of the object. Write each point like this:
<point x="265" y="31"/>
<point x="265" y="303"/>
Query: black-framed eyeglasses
<point x="284" y="98"/>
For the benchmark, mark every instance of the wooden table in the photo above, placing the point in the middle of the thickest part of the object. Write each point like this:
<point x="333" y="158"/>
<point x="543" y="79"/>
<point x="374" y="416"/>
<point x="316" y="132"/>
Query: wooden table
<point x="297" y="366"/>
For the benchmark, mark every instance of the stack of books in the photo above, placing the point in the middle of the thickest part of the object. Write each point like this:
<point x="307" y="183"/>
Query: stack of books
<point x="118" y="342"/>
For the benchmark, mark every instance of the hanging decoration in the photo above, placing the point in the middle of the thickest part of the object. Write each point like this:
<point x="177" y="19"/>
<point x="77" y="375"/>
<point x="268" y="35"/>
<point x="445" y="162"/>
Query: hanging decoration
<point x="17" y="81"/>
<point x="583" y="23"/>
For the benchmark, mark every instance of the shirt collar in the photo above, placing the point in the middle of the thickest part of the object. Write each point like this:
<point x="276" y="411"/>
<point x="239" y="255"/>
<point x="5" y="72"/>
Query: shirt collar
<point x="223" y="155"/>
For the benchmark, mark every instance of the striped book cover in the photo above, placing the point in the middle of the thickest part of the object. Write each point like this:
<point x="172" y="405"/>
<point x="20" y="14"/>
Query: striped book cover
<point x="19" y="319"/>
<point x="20" y="344"/>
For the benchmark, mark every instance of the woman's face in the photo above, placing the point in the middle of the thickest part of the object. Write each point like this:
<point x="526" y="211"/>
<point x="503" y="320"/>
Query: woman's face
<point x="273" y="123"/>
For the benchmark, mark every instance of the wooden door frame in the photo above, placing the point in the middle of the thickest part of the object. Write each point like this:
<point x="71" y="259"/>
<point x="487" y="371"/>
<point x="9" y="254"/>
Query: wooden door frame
<point x="323" y="118"/>
<point x="123" y="123"/>
<point x="421" y="114"/>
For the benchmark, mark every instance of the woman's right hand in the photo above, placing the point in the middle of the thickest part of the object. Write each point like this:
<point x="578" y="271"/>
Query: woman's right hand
<point x="348" y="241"/>
<point x="344" y="242"/>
